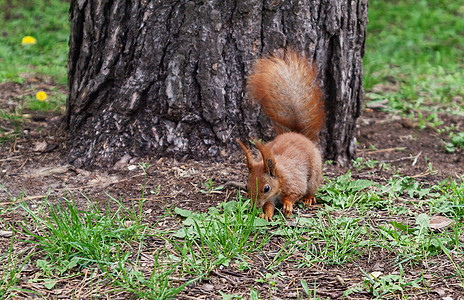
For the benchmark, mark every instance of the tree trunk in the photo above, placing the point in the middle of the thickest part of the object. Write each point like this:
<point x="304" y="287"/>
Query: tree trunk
<point x="166" y="78"/>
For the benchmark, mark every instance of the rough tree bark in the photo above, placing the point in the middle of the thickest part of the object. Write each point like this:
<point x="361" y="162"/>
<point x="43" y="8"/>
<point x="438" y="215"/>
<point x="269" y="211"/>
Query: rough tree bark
<point x="167" y="77"/>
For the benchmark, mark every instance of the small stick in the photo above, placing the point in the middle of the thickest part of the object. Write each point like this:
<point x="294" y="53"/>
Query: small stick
<point x="225" y="277"/>
<point x="416" y="158"/>
<point x="367" y="151"/>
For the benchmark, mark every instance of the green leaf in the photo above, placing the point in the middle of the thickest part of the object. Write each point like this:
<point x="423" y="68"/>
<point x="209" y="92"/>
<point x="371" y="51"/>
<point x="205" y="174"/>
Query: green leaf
<point x="305" y="286"/>
<point x="71" y="264"/>
<point x="258" y="222"/>
<point x="230" y="206"/>
<point x="450" y="147"/>
<point x="181" y="233"/>
<point x="50" y="284"/>
<point x="174" y="258"/>
<point x="402" y="227"/>
<point x="423" y="220"/>
<point x="361" y="184"/>
<point x="305" y="221"/>
<point x="254" y="294"/>
<point x="229" y="297"/>
<point x="43" y="264"/>
<point x="213" y="211"/>
<point x="351" y="290"/>
<point x="189" y="221"/>
<point x="282" y="232"/>
<point x="183" y="212"/>
<point x="223" y="260"/>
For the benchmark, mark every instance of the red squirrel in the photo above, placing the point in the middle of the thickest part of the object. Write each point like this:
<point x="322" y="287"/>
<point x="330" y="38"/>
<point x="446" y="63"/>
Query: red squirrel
<point x="290" y="167"/>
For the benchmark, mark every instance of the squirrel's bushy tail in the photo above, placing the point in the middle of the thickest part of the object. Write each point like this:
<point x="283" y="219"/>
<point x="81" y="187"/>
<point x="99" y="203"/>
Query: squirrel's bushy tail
<point x="288" y="91"/>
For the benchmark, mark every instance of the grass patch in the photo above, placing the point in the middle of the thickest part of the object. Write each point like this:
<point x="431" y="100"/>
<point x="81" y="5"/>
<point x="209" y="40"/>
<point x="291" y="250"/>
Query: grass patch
<point x="54" y="103"/>
<point x="14" y="120"/>
<point x="45" y="60"/>
<point x="71" y="241"/>
<point x="12" y="265"/>
<point x="68" y="240"/>
<point x="72" y="237"/>
<point x="47" y="22"/>
<point x="414" y="55"/>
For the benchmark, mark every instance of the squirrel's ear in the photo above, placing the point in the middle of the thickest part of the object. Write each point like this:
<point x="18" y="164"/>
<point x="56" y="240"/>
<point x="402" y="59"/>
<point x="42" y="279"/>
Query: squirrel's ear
<point x="268" y="161"/>
<point x="270" y="167"/>
<point x="249" y="157"/>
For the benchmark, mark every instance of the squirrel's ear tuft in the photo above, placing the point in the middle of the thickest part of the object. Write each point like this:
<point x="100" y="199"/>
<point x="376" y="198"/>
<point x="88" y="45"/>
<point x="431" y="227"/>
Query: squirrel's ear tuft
<point x="270" y="167"/>
<point x="268" y="158"/>
<point x="249" y="157"/>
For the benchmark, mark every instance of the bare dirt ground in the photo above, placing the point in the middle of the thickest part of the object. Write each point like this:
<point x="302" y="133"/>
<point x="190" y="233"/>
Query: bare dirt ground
<point x="33" y="165"/>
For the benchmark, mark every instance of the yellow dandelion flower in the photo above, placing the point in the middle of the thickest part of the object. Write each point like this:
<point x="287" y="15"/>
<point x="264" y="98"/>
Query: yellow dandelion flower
<point x="41" y="96"/>
<point x="28" y="40"/>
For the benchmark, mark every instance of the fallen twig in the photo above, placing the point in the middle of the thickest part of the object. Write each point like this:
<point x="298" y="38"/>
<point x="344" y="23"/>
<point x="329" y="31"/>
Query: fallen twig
<point x="368" y="151"/>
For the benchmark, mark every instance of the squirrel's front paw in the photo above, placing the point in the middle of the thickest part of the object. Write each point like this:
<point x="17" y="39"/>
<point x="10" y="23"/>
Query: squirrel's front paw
<point x="268" y="209"/>
<point x="287" y="208"/>
<point x="267" y="217"/>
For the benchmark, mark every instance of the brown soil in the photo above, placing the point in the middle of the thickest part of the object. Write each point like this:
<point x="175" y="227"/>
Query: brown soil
<point x="32" y="166"/>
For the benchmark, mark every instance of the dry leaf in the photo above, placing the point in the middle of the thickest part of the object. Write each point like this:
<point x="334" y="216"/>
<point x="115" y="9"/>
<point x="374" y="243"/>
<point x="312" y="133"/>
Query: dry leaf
<point x="40" y="146"/>
<point x="103" y="180"/>
<point x="47" y="171"/>
<point x="207" y="287"/>
<point x="439" y="222"/>
<point x="375" y="274"/>
<point x="6" y="234"/>
<point x="120" y="164"/>
<point x="439" y="291"/>
<point x="44" y="147"/>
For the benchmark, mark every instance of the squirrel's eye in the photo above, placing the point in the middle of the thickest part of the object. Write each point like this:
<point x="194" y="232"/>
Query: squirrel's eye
<point x="266" y="188"/>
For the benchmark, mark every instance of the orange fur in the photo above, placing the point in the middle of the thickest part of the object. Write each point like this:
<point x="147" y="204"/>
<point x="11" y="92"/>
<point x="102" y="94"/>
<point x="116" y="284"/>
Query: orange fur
<point x="290" y="166"/>
<point x="288" y="92"/>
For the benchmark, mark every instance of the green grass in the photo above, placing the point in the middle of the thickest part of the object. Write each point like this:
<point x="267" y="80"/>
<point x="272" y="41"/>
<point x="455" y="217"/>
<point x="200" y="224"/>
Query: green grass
<point x="415" y="49"/>
<point x="54" y="103"/>
<point x="70" y="236"/>
<point x="46" y="61"/>
<point x="12" y="265"/>
<point x="66" y="239"/>
<point x="47" y="22"/>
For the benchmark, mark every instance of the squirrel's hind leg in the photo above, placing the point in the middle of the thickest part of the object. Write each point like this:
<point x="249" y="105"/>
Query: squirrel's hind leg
<point x="309" y="200"/>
